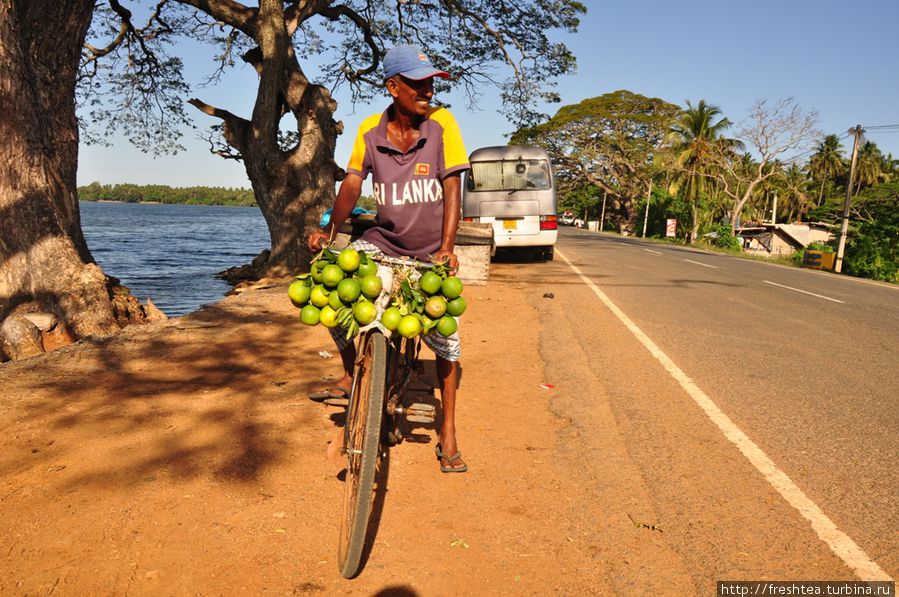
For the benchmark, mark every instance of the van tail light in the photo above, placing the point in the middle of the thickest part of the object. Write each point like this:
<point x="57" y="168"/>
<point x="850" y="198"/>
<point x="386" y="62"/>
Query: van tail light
<point x="469" y="219"/>
<point x="549" y="223"/>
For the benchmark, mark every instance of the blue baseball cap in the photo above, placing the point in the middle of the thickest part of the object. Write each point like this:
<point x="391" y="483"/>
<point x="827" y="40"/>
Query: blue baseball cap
<point x="411" y="63"/>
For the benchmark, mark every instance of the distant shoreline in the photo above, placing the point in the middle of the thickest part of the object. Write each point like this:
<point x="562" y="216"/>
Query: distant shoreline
<point x="115" y="201"/>
<point x="164" y="203"/>
<point x="166" y="195"/>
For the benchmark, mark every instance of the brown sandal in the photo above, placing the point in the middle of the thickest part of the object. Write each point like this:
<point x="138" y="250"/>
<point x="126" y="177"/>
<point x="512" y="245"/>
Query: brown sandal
<point x="448" y="468"/>
<point x="329" y="393"/>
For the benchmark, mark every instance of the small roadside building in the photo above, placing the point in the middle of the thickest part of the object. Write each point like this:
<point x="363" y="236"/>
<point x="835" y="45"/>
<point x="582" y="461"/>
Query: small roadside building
<point x="781" y="239"/>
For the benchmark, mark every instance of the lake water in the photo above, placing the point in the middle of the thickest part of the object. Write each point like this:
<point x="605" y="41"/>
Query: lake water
<point x="171" y="253"/>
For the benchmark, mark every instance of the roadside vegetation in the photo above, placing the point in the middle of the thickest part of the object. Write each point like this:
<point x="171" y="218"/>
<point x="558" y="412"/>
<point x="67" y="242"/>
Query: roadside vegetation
<point x="132" y="193"/>
<point x="695" y="165"/>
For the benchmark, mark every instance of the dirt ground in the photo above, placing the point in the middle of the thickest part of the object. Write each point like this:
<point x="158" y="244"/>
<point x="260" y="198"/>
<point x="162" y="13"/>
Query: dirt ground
<point x="184" y="458"/>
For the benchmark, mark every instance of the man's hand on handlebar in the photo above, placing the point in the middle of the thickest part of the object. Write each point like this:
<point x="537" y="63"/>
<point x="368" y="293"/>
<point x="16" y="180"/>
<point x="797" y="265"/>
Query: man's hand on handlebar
<point x="447" y="257"/>
<point x="317" y="240"/>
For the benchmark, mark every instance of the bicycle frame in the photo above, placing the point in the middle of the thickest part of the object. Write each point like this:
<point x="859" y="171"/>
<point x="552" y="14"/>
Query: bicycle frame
<point x="402" y="364"/>
<point x="384" y="368"/>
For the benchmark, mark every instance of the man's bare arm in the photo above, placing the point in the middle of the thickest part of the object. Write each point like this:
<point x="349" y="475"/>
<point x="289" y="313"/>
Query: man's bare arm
<point x="452" y="211"/>
<point x="347" y="197"/>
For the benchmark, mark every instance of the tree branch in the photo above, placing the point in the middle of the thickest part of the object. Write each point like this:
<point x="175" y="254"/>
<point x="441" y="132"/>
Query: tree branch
<point x="364" y="25"/>
<point x="229" y="12"/>
<point x="499" y="36"/>
<point x="127" y="30"/>
<point x="235" y="128"/>
<point x="97" y="53"/>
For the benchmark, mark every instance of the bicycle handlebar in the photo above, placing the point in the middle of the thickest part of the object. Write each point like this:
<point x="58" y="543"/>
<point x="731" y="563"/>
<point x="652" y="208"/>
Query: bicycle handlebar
<point x="401" y="261"/>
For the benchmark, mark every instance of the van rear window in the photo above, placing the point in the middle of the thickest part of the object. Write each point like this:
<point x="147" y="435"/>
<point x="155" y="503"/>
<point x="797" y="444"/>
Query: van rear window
<point x="509" y="175"/>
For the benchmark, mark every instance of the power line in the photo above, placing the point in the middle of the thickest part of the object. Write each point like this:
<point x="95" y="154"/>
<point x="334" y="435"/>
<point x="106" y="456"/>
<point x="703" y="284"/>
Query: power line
<point x="814" y="149"/>
<point x="801" y="155"/>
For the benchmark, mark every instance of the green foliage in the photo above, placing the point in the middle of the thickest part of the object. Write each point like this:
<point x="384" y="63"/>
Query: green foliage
<point x="611" y="141"/>
<point x="828" y="212"/>
<point x="132" y="193"/>
<point x="367" y="202"/>
<point x="819" y="246"/>
<point x="872" y="246"/>
<point x="663" y="206"/>
<point x="726" y="239"/>
<point x="695" y="134"/>
<point x="582" y="199"/>
<point x="827" y="162"/>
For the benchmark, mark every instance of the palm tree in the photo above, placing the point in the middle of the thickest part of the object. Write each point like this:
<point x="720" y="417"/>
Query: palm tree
<point x="889" y="168"/>
<point x="694" y="135"/>
<point x="869" y="169"/>
<point x="827" y="161"/>
<point x="795" y="188"/>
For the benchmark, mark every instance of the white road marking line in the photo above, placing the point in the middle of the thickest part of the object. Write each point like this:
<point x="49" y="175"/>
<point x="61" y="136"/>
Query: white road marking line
<point x="702" y="264"/>
<point x="655" y="252"/>
<point x="826" y="298"/>
<point x="829" y="275"/>
<point x="839" y="542"/>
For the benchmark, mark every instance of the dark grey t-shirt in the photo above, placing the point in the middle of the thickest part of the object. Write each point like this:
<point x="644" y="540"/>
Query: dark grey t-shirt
<point x="408" y="185"/>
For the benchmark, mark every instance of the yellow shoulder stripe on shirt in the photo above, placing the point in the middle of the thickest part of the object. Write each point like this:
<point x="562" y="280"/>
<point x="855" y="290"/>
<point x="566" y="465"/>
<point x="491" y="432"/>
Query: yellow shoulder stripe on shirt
<point x="358" y="154"/>
<point x="454" y="152"/>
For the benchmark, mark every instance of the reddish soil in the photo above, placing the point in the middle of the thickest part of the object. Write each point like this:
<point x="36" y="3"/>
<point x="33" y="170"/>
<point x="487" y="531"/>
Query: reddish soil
<point x="184" y="458"/>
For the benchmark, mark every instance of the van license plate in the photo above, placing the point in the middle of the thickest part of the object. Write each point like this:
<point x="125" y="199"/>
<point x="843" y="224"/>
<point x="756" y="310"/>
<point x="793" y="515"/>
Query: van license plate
<point x="510" y="224"/>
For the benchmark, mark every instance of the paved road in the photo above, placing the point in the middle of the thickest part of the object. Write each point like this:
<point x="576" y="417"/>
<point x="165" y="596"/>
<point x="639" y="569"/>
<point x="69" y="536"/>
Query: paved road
<point x="805" y="363"/>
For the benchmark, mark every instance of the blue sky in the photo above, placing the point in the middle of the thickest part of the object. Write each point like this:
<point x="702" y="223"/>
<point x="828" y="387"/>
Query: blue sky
<point x="840" y="58"/>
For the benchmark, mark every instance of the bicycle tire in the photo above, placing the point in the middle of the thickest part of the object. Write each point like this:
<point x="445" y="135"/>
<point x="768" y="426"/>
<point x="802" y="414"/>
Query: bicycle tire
<point x="363" y="443"/>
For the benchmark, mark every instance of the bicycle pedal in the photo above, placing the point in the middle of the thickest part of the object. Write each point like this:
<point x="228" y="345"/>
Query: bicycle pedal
<point x="420" y="413"/>
<point x="421" y="407"/>
<point x="419" y="419"/>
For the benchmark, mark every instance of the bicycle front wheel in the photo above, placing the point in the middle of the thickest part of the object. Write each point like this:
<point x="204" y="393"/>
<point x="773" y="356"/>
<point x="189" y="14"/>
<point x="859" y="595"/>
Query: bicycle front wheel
<point x="363" y="446"/>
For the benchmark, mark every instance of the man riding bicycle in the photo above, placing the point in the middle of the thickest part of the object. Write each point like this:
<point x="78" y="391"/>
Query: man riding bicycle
<point x="416" y="157"/>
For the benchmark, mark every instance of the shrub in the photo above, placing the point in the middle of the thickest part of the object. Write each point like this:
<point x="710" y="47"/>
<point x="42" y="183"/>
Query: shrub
<point x="872" y="247"/>
<point x="819" y="246"/>
<point x="725" y="239"/>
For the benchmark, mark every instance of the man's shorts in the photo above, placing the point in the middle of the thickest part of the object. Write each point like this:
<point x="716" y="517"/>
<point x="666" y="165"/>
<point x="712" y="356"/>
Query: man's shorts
<point x="445" y="347"/>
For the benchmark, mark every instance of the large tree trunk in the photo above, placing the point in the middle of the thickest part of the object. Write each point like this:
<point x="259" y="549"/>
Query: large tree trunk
<point x="45" y="264"/>
<point x="292" y="187"/>
<point x="623" y="214"/>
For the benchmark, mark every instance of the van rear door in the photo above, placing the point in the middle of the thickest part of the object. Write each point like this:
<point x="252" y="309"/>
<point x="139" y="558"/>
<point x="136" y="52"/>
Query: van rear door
<point x="512" y="218"/>
<point x="511" y="188"/>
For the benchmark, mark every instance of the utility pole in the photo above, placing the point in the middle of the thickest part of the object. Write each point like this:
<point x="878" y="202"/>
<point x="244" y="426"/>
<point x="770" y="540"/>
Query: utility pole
<point x="774" y="210"/>
<point x="602" y="218"/>
<point x="646" y="215"/>
<point x="844" y="228"/>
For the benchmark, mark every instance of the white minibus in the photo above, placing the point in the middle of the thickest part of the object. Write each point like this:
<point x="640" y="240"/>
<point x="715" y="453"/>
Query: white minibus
<point x="511" y="187"/>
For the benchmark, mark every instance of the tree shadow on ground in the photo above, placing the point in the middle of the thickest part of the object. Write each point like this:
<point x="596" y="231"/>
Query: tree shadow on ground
<point x="202" y="395"/>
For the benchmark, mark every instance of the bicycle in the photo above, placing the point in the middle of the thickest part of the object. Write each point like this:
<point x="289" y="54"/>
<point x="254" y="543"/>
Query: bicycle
<point x="378" y="405"/>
